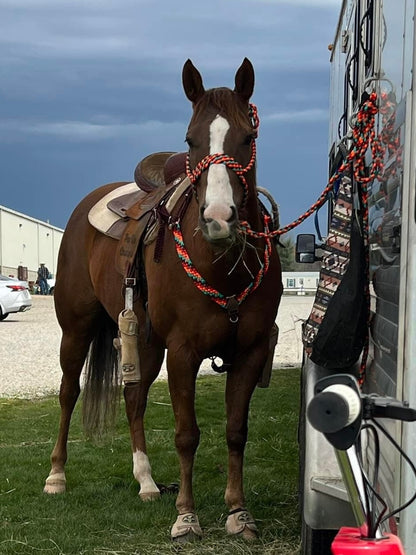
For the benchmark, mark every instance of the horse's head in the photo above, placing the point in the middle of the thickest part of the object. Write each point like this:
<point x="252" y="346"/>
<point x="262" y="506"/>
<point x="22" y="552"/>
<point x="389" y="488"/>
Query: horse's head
<point x="221" y="156"/>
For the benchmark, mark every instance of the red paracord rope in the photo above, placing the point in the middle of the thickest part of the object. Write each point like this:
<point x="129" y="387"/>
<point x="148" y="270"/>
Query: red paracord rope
<point x="390" y="137"/>
<point x="201" y="283"/>
<point x="363" y="137"/>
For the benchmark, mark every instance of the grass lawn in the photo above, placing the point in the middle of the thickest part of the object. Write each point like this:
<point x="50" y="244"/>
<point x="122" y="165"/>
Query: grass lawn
<point x="101" y="512"/>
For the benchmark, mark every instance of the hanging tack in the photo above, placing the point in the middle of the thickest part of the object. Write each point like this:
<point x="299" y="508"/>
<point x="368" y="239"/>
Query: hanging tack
<point x="127" y="341"/>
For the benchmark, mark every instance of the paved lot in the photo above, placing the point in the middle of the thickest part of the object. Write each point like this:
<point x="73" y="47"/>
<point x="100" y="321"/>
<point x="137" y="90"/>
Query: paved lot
<point x="29" y="346"/>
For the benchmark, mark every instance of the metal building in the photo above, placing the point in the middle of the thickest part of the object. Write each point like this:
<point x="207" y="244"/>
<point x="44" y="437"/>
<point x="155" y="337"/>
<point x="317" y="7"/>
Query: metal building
<point x="26" y="242"/>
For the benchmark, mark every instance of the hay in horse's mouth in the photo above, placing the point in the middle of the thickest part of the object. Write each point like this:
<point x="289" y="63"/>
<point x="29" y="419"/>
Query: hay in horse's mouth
<point x="220" y="245"/>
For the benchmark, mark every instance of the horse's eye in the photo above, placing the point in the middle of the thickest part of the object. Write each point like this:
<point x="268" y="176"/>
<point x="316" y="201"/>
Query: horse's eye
<point x="189" y="141"/>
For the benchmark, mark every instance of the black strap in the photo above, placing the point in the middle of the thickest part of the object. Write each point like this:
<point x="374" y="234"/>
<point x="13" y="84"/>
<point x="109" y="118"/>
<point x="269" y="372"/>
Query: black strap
<point x="232" y="307"/>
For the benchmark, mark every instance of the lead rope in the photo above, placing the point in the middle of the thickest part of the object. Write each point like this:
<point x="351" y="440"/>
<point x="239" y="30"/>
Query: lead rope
<point x="230" y="304"/>
<point x="363" y="138"/>
<point x="202" y="284"/>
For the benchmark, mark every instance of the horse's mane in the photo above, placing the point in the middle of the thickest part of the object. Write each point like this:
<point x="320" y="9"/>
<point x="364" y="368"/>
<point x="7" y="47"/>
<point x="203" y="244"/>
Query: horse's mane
<point x="226" y="102"/>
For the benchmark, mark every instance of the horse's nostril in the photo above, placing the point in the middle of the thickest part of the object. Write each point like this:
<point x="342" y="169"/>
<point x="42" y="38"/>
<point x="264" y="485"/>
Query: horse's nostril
<point x="233" y="216"/>
<point x="202" y="214"/>
<point x="210" y="214"/>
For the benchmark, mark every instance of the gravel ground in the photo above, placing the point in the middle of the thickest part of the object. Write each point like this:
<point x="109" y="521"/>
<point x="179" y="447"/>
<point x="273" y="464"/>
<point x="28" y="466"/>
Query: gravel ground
<point x="29" y="346"/>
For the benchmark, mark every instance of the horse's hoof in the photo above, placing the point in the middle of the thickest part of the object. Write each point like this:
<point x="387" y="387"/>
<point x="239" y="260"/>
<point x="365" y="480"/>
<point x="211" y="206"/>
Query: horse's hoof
<point x="249" y="535"/>
<point x="241" y="523"/>
<point x="186" y="529"/>
<point x="149" y="496"/>
<point x="55" y="483"/>
<point x="190" y="537"/>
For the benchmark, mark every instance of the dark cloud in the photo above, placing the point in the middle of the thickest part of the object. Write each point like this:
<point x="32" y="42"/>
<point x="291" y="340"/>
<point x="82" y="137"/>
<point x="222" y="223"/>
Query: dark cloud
<point x="87" y="88"/>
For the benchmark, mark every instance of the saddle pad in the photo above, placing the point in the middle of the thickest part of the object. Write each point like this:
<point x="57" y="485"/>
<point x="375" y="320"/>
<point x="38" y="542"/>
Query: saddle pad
<point x="102" y="218"/>
<point x="176" y="195"/>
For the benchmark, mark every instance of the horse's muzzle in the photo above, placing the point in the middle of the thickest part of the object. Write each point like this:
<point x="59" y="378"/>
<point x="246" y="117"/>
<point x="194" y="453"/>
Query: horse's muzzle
<point x="221" y="227"/>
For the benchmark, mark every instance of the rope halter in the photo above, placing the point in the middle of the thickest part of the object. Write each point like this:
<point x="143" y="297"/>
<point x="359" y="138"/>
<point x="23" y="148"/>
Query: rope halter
<point x="219" y="298"/>
<point x="227" y="160"/>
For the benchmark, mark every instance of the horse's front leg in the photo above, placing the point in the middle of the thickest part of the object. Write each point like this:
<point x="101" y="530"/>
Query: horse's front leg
<point x="241" y="381"/>
<point x="182" y="371"/>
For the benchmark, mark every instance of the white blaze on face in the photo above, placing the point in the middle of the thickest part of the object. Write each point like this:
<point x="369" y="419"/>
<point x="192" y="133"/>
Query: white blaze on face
<point x="143" y="473"/>
<point x="219" y="194"/>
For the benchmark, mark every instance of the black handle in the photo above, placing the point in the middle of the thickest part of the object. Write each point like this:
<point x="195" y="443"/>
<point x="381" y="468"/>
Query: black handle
<point x="387" y="407"/>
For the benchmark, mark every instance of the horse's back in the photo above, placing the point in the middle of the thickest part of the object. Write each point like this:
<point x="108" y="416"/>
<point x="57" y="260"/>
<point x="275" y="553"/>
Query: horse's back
<point x="78" y="229"/>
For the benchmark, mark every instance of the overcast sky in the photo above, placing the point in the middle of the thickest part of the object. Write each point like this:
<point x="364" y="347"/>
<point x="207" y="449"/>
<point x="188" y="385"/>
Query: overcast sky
<point x="89" y="87"/>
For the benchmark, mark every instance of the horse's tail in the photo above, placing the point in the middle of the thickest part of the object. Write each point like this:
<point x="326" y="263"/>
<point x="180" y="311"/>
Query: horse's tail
<point x="102" y="380"/>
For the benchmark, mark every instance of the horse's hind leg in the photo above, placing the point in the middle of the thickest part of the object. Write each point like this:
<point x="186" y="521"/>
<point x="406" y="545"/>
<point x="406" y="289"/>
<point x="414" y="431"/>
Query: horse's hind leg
<point x="135" y="395"/>
<point x="74" y="349"/>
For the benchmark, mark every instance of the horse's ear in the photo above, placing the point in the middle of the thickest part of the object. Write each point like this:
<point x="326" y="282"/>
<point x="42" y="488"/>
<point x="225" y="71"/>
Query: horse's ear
<point x="192" y="82"/>
<point x="244" y="80"/>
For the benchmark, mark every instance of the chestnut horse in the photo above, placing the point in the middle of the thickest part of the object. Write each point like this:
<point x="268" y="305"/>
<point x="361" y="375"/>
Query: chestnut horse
<point x="190" y="316"/>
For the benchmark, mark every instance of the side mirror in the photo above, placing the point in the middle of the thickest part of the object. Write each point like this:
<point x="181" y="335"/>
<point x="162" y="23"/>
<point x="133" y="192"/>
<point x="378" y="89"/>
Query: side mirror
<point x="305" y="248"/>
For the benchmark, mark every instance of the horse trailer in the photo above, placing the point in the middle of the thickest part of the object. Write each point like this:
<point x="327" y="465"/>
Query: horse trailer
<point x="373" y="51"/>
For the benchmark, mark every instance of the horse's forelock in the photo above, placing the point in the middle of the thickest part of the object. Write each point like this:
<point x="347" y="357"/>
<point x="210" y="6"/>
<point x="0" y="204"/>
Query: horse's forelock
<point x="227" y="104"/>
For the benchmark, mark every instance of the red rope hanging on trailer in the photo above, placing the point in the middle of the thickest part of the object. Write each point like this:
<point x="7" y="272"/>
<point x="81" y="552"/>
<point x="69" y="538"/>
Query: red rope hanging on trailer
<point x="363" y="137"/>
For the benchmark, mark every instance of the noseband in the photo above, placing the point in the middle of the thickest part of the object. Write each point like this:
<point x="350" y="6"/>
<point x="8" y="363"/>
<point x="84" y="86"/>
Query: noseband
<point x="228" y="161"/>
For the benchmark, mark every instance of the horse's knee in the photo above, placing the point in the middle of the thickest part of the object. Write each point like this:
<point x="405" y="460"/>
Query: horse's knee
<point x="236" y="438"/>
<point x="187" y="441"/>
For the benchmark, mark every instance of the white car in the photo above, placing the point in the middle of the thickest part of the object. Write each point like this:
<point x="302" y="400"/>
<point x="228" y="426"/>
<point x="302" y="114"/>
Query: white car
<point x="51" y="285"/>
<point x="14" y="296"/>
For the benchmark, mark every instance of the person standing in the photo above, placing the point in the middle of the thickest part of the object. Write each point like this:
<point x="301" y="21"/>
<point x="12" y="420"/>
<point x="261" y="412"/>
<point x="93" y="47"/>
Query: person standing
<point x="43" y="274"/>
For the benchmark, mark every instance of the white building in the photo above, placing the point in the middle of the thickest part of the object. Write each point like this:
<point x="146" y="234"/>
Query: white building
<point x="26" y="242"/>
<point x="300" y="283"/>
